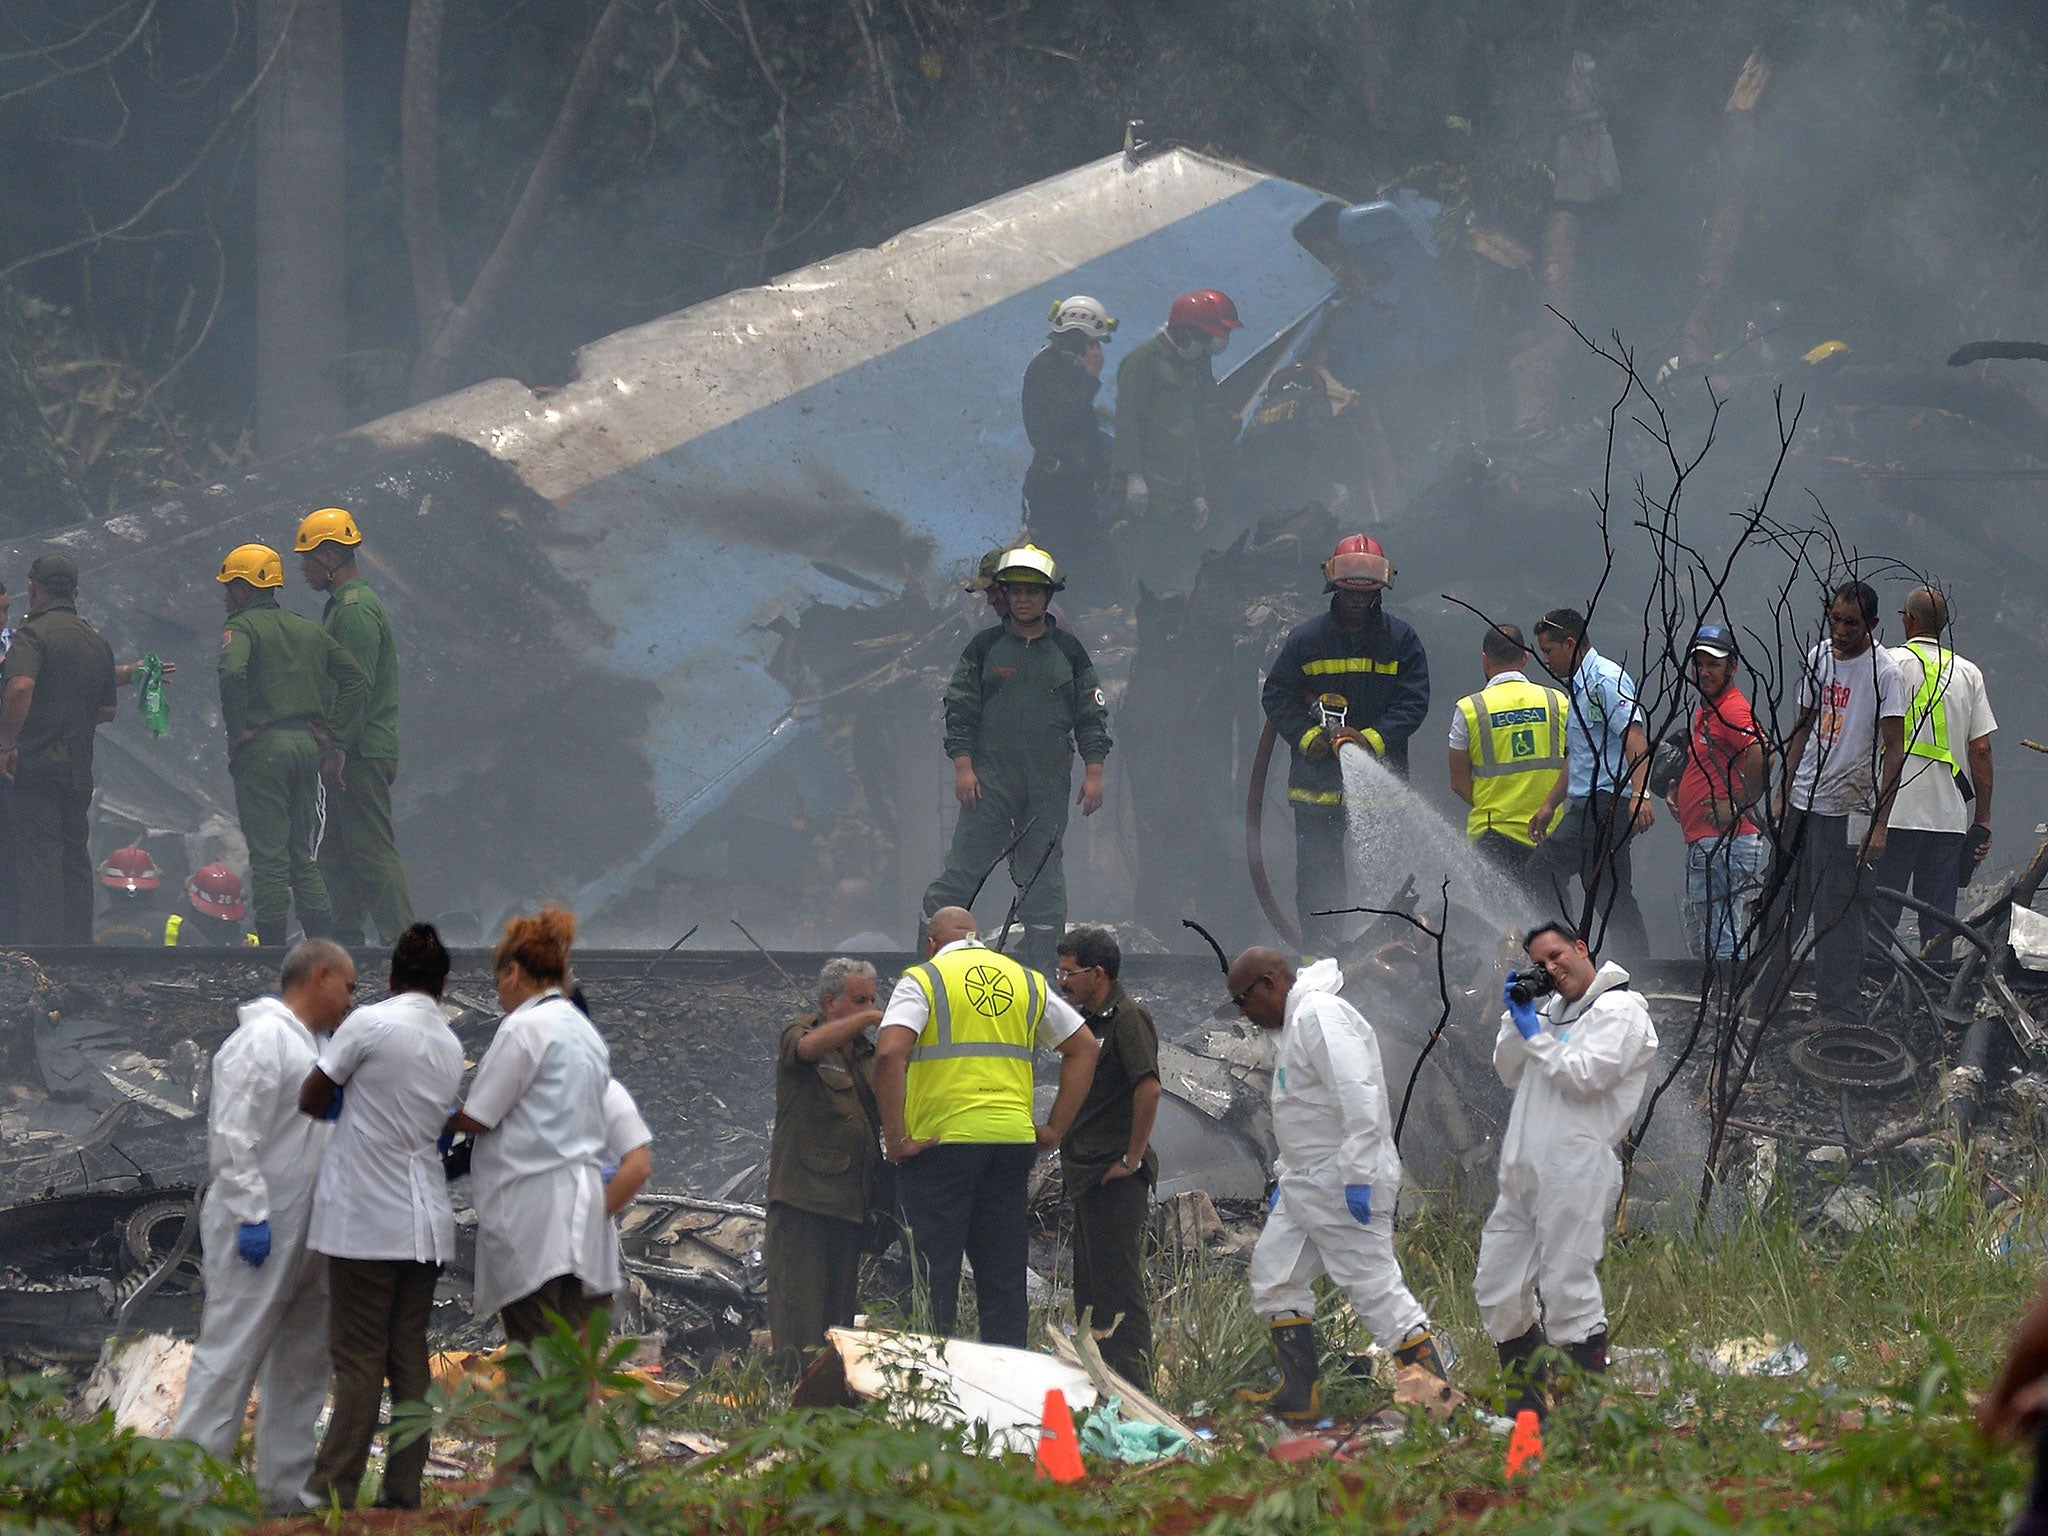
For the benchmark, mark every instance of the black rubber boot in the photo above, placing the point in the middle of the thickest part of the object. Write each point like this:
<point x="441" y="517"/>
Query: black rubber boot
<point x="270" y="934"/>
<point x="1421" y="1350"/>
<point x="1518" y="1365"/>
<point x="318" y="925"/>
<point x="1300" y="1393"/>
<point x="1589" y="1354"/>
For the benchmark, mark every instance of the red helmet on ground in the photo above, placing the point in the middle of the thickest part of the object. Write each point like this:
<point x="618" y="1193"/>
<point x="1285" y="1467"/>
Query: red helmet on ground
<point x="129" y="869"/>
<point x="1358" y="565"/>
<point x="1206" y="310"/>
<point x="216" y="890"/>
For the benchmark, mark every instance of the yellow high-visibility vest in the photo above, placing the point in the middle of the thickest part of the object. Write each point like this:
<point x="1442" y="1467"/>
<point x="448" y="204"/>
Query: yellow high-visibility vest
<point x="1515" y="735"/>
<point x="1930" y="705"/>
<point x="970" y="1071"/>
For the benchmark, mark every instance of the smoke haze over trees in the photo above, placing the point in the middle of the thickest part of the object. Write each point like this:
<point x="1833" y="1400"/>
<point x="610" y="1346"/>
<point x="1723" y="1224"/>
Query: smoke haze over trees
<point x="1893" y="179"/>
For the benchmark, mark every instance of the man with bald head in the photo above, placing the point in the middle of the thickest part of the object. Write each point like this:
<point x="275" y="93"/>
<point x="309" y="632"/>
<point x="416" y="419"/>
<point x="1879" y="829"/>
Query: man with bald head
<point x="1940" y="833"/>
<point x="1338" y="1177"/>
<point x="265" y="1320"/>
<point x="953" y="1060"/>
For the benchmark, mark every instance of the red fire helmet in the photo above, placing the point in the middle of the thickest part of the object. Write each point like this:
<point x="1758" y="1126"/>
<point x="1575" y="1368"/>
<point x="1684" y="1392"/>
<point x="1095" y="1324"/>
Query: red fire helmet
<point x="216" y="890"/>
<point x="129" y="869"/>
<point x="1206" y="310"/>
<point x="1358" y="565"/>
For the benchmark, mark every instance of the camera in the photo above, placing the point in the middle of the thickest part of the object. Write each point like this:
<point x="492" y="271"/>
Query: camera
<point x="1527" y="986"/>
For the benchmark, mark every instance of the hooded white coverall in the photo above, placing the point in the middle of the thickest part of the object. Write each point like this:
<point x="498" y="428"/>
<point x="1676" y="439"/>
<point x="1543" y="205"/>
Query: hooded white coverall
<point x="1332" y="1127"/>
<point x="262" y="1326"/>
<point x="1577" y="1085"/>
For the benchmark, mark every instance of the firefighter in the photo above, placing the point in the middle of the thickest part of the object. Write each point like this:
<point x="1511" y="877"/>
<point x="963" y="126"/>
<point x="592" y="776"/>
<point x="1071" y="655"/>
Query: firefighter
<point x="1069" y="450"/>
<point x="1354" y="674"/>
<point x="1022" y="699"/>
<point x="131" y="880"/>
<point x="359" y="856"/>
<point x="219" y="916"/>
<point x="276" y="673"/>
<point x="1174" y="440"/>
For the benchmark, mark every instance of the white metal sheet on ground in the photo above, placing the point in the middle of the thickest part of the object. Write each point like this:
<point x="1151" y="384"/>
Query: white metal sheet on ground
<point x="961" y="1381"/>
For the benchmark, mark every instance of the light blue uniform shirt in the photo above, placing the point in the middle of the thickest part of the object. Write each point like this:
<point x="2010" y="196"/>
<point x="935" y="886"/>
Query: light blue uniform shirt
<point x="1603" y="707"/>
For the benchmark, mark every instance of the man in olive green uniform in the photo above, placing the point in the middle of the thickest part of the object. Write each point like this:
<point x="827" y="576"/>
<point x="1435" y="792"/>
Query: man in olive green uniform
<point x="823" y="1163"/>
<point x="359" y="855"/>
<point x="1174" y="440"/>
<point x="1106" y="1158"/>
<point x="58" y="690"/>
<point x="1022" y="692"/>
<point x="288" y="695"/>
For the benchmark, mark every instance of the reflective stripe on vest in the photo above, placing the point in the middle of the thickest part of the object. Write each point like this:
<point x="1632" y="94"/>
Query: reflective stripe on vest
<point x="969" y="1077"/>
<point x="173" y="926"/>
<point x="1930" y="704"/>
<point x="1515" y="736"/>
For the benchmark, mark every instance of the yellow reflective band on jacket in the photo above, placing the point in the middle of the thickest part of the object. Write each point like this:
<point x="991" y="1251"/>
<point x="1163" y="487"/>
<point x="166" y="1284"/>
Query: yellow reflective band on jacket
<point x="1316" y="796"/>
<point x="970" y="1071"/>
<point x="1335" y="664"/>
<point x="1930" y="706"/>
<point x="1515" y="733"/>
<point x="173" y="926"/>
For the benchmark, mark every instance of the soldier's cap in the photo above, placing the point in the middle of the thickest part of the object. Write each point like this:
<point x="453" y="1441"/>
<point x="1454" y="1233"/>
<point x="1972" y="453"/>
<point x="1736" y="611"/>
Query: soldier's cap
<point x="55" y="573"/>
<point x="1568" y="622"/>
<point x="985" y="573"/>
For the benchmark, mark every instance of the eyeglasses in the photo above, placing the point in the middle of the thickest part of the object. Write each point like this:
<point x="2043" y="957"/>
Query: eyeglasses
<point x="1238" y="999"/>
<point x="1069" y="972"/>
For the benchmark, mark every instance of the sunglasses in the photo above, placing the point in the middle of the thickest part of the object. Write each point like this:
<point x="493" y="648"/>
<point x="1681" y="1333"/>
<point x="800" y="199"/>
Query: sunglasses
<point x="1238" y="999"/>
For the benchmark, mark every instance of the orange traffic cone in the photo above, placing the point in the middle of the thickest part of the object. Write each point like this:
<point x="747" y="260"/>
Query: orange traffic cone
<point x="1525" y="1445"/>
<point x="1059" y="1451"/>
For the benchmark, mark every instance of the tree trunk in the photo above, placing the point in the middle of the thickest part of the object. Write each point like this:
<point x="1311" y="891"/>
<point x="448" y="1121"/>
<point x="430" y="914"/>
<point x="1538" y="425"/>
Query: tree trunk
<point x="1731" y="206"/>
<point x="301" y="267"/>
<point x="442" y="353"/>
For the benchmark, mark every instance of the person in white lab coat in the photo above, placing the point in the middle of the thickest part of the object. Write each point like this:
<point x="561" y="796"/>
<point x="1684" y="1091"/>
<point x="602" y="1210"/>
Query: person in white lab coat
<point x="1339" y="1177"/>
<point x="381" y="1214"/>
<point x="265" y="1317"/>
<point x="1578" y="1065"/>
<point x="536" y="1107"/>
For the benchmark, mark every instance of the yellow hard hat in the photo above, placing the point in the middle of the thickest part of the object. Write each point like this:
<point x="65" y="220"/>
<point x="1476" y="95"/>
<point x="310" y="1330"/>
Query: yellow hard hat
<point x="257" y="564"/>
<point x="330" y="525"/>
<point x="1028" y="564"/>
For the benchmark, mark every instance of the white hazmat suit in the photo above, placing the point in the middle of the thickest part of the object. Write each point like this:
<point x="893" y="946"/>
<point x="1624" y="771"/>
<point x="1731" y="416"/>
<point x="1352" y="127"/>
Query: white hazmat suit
<point x="1578" y="1083"/>
<point x="262" y="1326"/>
<point x="1332" y="1128"/>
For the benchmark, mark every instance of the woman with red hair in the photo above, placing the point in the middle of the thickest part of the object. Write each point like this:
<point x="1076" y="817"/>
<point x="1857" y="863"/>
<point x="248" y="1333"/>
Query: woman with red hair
<point x="536" y="1106"/>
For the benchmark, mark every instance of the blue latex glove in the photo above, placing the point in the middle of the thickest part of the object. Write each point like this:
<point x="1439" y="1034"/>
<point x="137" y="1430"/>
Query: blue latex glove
<point x="252" y="1242"/>
<point x="334" y="1105"/>
<point x="608" y="1171"/>
<point x="1524" y="1014"/>
<point x="1358" y="1200"/>
<point x="447" y="1137"/>
<point x="1273" y="1196"/>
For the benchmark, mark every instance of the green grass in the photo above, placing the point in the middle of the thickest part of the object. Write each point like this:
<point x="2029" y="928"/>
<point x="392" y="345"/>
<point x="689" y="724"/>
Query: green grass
<point x="1899" y="1322"/>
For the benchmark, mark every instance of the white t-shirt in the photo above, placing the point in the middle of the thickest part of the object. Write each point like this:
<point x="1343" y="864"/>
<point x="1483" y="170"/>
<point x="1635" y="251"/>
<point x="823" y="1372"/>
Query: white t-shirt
<point x="1461" y="733"/>
<point x="907" y="1007"/>
<point x="535" y="1175"/>
<point x="624" y="1130"/>
<point x="1838" y="769"/>
<point x="382" y="1194"/>
<point x="1928" y="799"/>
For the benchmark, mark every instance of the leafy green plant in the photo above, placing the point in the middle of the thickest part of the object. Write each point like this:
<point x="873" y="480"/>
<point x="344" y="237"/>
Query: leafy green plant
<point x="92" y="1475"/>
<point x="567" y="1418"/>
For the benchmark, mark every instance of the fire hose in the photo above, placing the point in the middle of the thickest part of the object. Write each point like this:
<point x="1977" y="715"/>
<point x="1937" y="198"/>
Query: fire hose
<point x="1255" y="842"/>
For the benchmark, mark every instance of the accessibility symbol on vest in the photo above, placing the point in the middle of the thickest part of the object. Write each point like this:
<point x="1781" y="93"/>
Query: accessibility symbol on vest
<point x="1522" y="743"/>
<point x="989" y="990"/>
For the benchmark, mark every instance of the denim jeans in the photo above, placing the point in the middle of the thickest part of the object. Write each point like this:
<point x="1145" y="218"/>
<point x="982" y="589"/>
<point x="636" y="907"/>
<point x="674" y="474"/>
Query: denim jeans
<point x="1722" y="876"/>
